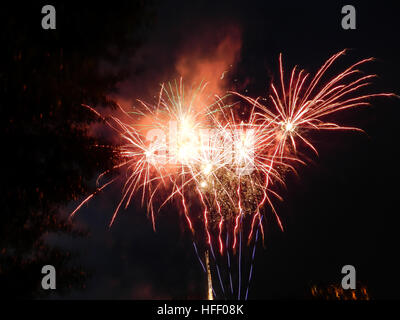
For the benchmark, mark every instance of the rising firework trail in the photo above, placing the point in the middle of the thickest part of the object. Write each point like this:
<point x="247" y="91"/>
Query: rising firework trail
<point x="220" y="167"/>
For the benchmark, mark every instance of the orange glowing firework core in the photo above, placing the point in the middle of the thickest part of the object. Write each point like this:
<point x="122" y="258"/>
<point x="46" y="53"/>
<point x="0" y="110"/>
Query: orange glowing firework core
<point x="188" y="148"/>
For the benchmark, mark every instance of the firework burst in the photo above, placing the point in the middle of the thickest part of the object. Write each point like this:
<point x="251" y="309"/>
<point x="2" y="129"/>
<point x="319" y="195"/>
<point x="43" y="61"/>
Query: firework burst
<point x="220" y="168"/>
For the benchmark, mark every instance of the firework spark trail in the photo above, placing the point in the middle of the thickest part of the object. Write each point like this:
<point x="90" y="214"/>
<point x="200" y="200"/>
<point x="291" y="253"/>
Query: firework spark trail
<point x="220" y="224"/>
<point x="252" y="260"/>
<point x="233" y="184"/>
<point x="197" y="254"/>
<point x="229" y="262"/>
<point x="218" y="271"/>
<point x="240" y="263"/>
<point x="90" y="197"/>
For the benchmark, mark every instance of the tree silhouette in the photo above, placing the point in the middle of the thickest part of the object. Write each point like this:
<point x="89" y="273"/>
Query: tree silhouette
<point x="49" y="158"/>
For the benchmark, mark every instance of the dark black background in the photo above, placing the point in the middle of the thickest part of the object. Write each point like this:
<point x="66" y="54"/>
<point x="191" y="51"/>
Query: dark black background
<point x="343" y="208"/>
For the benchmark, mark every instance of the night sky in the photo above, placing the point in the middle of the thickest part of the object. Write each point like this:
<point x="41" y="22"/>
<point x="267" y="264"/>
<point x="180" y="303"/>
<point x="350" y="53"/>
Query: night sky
<point x="341" y="208"/>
